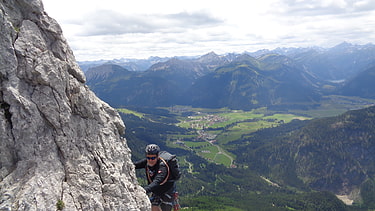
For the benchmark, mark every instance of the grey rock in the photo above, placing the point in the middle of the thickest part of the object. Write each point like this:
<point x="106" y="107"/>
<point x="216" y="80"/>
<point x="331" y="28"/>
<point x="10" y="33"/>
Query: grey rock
<point x="58" y="141"/>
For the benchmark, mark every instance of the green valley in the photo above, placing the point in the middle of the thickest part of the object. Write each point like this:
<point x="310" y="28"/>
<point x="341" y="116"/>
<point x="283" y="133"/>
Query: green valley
<point x="212" y="129"/>
<point x="222" y="151"/>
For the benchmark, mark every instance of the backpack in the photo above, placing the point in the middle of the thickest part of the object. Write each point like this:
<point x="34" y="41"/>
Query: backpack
<point x="172" y="165"/>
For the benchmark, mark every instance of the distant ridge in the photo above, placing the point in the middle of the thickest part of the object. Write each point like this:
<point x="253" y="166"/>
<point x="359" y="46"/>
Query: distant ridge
<point x="282" y="78"/>
<point x="315" y="59"/>
<point x="363" y="85"/>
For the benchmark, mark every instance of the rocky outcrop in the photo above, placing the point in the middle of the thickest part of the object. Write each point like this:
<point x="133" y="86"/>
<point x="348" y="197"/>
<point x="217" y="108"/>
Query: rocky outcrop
<point x="58" y="141"/>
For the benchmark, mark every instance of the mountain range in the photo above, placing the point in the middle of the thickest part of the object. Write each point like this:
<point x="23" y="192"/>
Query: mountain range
<point x="282" y="78"/>
<point x="336" y="63"/>
<point x="340" y="62"/>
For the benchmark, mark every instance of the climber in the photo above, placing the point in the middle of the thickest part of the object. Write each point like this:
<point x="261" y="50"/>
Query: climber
<point x="161" y="185"/>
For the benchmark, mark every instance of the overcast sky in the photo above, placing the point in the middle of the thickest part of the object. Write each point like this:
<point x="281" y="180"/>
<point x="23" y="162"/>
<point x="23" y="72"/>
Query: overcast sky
<point x="112" y="29"/>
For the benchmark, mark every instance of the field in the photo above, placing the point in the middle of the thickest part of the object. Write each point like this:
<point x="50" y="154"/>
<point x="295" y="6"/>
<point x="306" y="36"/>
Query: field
<point x="333" y="105"/>
<point x="212" y="130"/>
<point x="215" y="128"/>
<point x="127" y="111"/>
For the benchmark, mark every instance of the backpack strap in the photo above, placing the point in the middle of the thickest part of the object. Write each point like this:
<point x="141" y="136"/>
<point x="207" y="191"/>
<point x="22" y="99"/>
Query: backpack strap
<point x="167" y="177"/>
<point x="148" y="174"/>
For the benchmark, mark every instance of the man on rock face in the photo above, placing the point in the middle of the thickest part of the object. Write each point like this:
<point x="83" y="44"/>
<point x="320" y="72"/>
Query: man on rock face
<point x="157" y="173"/>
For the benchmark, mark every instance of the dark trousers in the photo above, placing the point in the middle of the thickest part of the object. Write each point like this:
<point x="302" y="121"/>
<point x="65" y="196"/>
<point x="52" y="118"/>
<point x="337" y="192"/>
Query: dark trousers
<point x="165" y="200"/>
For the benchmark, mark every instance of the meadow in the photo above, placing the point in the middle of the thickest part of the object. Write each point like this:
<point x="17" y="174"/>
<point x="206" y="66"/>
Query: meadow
<point x="211" y="130"/>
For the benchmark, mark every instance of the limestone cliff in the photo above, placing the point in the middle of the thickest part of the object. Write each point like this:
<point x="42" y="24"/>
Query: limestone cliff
<point x="58" y="141"/>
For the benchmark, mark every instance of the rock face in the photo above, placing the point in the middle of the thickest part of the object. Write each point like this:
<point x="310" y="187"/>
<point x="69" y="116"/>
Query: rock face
<point x="58" y="141"/>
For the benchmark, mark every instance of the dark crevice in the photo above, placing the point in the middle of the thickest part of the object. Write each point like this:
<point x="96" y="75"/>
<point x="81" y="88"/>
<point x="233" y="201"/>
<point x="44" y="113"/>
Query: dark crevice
<point x="99" y="169"/>
<point x="74" y="202"/>
<point x="61" y="156"/>
<point x="99" y="166"/>
<point x="8" y="116"/>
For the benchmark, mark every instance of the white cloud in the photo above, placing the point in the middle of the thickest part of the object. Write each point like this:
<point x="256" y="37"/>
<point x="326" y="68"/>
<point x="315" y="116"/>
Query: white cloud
<point x="325" y="7"/>
<point x="108" y="22"/>
<point x="109" y="29"/>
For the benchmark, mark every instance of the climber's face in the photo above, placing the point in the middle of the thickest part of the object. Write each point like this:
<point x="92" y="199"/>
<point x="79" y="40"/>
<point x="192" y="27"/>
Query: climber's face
<point x="151" y="159"/>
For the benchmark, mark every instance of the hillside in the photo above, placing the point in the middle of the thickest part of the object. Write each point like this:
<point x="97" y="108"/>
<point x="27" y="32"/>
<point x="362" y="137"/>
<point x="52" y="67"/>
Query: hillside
<point x="333" y="154"/>
<point x="118" y="86"/>
<point x="210" y="81"/>
<point x="362" y="85"/>
<point x="245" y="83"/>
<point x="96" y="75"/>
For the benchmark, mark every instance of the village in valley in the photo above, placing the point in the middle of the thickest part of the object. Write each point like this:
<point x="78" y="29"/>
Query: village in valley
<point x="212" y="129"/>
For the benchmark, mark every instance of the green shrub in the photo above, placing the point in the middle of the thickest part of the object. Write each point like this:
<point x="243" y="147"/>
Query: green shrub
<point x="60" y="205"/>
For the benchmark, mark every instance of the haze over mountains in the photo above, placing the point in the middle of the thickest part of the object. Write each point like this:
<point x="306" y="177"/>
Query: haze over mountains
<point x="314" y="58"/>
<point x="284" y="77"/>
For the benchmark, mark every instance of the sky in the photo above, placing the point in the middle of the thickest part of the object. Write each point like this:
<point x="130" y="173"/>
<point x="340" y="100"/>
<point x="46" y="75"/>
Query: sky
<point x="114" y="29"/>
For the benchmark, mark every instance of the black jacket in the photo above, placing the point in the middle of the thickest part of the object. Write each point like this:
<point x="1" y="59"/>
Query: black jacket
<point x="156" y="175"/>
